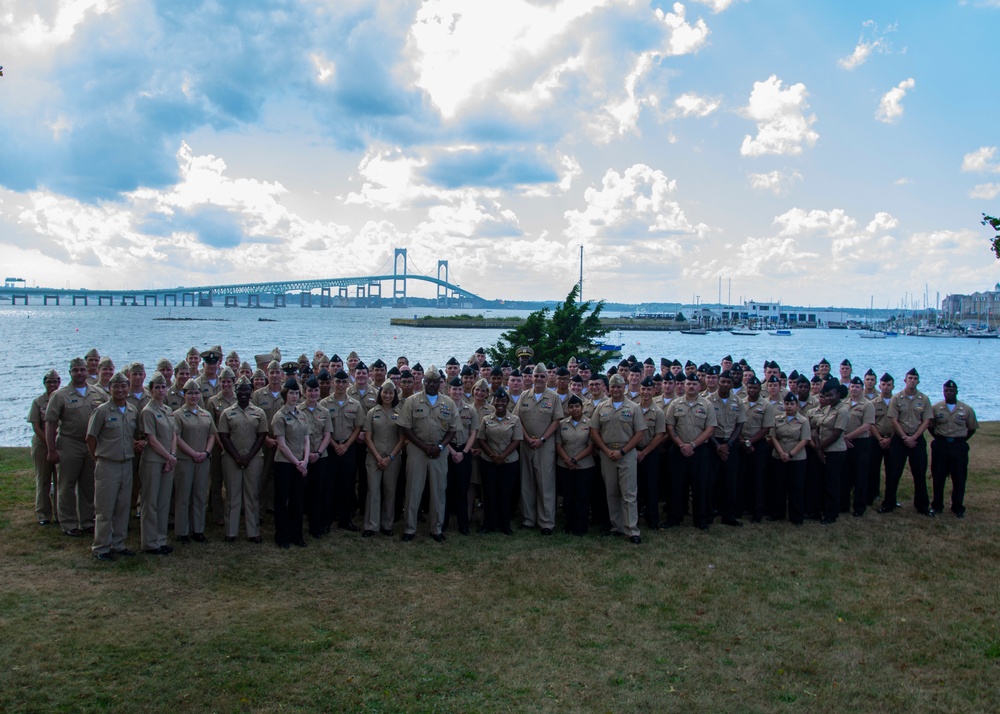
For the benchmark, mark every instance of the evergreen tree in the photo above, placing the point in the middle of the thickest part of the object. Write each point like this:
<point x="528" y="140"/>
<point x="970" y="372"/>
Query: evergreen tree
<point x="994" y="223"/>
<point x="572" y="330"/>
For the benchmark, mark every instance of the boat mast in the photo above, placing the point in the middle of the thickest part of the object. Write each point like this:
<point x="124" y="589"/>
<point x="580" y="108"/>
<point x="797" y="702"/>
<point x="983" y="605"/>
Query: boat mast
<point x="581" y="273"/>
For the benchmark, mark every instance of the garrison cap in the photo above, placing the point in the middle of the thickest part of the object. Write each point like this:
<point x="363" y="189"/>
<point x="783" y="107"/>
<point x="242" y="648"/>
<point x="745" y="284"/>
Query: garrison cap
<point x="689" y="363"/>
<point x="324" y="376"/>
<point x="341" y="375"/>
<point x="233" y="355"/>
<point x="668" y="377"/>
<point x="451" y="360"/>
<point x="353" y="355"/>
<point x="950" y="384"/>
<point x="92" y="353"/>
<point x="515" y="373"/>
<point x="393" y="371"/>
<point x="361" y="365"/>
<point x="823" y="361"/>
<point x="336" y="358"/>
<point x="274" y="364"/>
<point x="846" y="363"/>
<point x="258" y="374"/>
<point x="794" y="375"/>
<point x="432" y="373"/>
<point x="648" y="360"/>
<point x="480" y="351"/>
<point x="120" y="378"/>
<point x="193" y="351"/>
<point x="658" y="377"/>
<point x="550" y="365"/>
<point x="540" y="369"/>
<point x="635" y="367"/>
<point x="870" y="372"/>
<point x="157" y="378"/>
<point x="816" y="379"/>
<point x="772" y="380"/>
<point x="691" y="378"/>
<point x="646" y="382"/>
<point x="714" y="370"/>
<point x="790" y="397"/>
<point x="417" y="368"/>
<point x="77" y="362"/>
<point x="576" y="378"/>
<point x="245" y="366"/>
<point x="312" y="383"/>
<point x="51" y="374"/>
<point x="291" y="385"/>
<point x="833" y="385"/>
<point x="574" y="400"/>
<point x="108" y="362"/>
<point x="753" y="381"/>
<point x="912" y="372"/>
<point x="616" y="379"/>
<point x="467" y="371"/>
<point x="405" y="373"/>
<point x="377" y="364"/>
<point x="455" y="382"/>
<point x="664" y="362"/>
<point x="227" y="373"/>
<point x="728" y="358"/>
<point x="857" y="380"/>
<point x="163" y="363"/>
<point x="505" y="365"/>
<point x="181" y="365"/>
<point x="724" y="374"/>
<point x="191" y="385"/>
<point x="136" y="367"/>
<point x="497" y="372"/>
<point x="243" y="381"/>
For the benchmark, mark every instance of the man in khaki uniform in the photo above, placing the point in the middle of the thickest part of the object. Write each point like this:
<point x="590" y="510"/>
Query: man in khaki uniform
<point x="66" y="419"/>
<point x="366" y="395"/>
<point x="347" y="417"/>
<point x="46" y="474"/>
<point x="269" y="399"/>
<point x="429" y="420"/>
<point x="953" y="425"/>
<point x="93" y="358"/>
<point x="111" y="433"/>
<point x="691" y="423"/>
<point x="729" y="419"/>
<point x="224" y="398"/>
<point x="616" y="430"/>
<point x="540" y="412"/>
<point x="242" y="429"/>
<point x="138" y="397"/>
<point x="910" y="413"/>
<point x="881" y="432"/>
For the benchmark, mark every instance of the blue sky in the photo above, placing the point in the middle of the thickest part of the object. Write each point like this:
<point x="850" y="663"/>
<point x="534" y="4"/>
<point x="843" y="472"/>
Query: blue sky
<point x="817" y="153"/>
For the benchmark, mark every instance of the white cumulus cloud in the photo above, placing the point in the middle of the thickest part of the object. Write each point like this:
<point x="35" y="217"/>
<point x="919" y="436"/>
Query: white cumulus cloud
<point x="783" y="127"/>
<point x="985" y="191"/>
<point x="776" y="182"/>
<point x="890" y="108"/>
<point x="872" y="40"/>
<point x="981" y="161"/>
<point x="691" y="104"/>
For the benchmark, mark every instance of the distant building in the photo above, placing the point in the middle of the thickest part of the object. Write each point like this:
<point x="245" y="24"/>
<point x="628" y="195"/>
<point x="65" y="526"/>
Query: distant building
<point x="975" y="307"/>
<point x="14" y="283"/>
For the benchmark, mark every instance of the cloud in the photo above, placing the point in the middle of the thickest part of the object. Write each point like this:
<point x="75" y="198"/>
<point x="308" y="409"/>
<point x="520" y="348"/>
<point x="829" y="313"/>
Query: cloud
<point x="890" y="108"/>
<point x="903" y="181"/>
<point x="776" y="182"/>
<point x="797" y="221"/>
<point x="782" y="125"/>
<point x="717" y="5"/>
<point x="630" y="206"/>
<point x="985" y="191"/>
<point x="980" y="161"/>
<point x="872" y="40"/>
<point x="691" y="104"/>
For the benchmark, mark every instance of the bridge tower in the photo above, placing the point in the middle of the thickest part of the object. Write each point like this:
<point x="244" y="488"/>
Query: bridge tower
<point x="442" y="290"/>
<point x="398" y="294"/>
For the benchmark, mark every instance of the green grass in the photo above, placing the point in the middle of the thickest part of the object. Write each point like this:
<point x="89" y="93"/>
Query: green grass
<point x="885" y="613"/>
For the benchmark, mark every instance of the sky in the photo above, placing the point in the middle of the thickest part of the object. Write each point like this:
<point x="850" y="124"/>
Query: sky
<point x="812" y="153"/>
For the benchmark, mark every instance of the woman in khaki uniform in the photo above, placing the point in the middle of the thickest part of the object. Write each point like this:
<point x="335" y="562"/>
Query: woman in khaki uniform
<point x="46" y="474"/>
<point x="463" y="470"/>
<point x="156" y="466"/>
<point x="500" y="435"/>
<point x="320" y="430"/>
<point x="195" y="437"/>
<point x="385" y="442"/>
<point x="575" y="466"/>
<point x="175" y="394"/>
<point x="829" y="424"/>
<point x="291" y="465"/>
<point x="242" y="430"/>
<point x="789" y="437"/>
<point x="217" y="404"/>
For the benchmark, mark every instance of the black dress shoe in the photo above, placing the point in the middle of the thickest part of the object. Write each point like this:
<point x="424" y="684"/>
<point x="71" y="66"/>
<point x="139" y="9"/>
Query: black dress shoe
<point x="349" y="527"/>
<point x="508" y="531"/>
<point x="104" y="557"/>
<point x="858" y="514"/>
<point x="183" y="539"/>
<point x="463" y="531"/>
<point x="438" y="537"/>
<point x="152" y="551"/>
<point x="386" y="532"/>
<point x="484" y="530"/>
<point x="929" y="512"/>
<point x="635" y="539"/>
<point x="407" y="537"/>
<point x="960" y="514"/>
<point x="44" y="522"/>
<point x="74" y="533"/>
<point x="125" y="553"/>
<point x="546" y="531"/>
<point x="255" y="539"/>
<point x="285" y="546"/>
<point x="165" y="550"/>
<point x="755" y="519"/>
<point x="732" y="522"/>
<point x="199" y="538"/>
<point x="230" y="539"/>
<point x="300" y="543"/>
<point x="367" y="534"/>
<point x="885" y="509"/>
<point x="828" y="521"/>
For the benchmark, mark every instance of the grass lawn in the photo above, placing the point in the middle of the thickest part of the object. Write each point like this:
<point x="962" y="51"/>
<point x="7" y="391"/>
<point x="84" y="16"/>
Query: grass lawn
<point x="884" y="613"/>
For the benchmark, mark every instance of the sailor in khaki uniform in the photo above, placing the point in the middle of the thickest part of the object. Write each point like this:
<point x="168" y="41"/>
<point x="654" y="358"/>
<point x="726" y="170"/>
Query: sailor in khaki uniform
<point x="46" y="474"/>
<point x="910" y="414"/>
<point x="429" y="420"/>
<point x="729" y="417"/>
<point x="575" y="450"/>
<point x="648" y="453"/>
<point x="317" y="470"/>
<point x="616" y="430"/>
<point x="756" y="450"/>
<point x="93" y="359"/>
<point x="789" y="437"/>
<point x="242" y="430"/>
<point x="881" y="432"/>
<point x="110" y="433"/>
<point x="66" y="419"/>
<point x="138" y="397"/>
<point x="460" y="459"/>
<point x="210" y="384"/>
<point x="348" y="419"/>
<point x="268" y="398"/>
<point x="195" y="438"/>
<point x="953" y="425"/>
<point x="499" y="436"/>
<point x="385" y="444"/>
<point x="690" y="423"/>
<point x="366" y="395"/>
<point x="539" y="412"/>
<point x="156" y="467"/>
<point x="861" y="418"/>
<point x="224" y="398"/>
<point x="291" y="464"/>
<point x="175" y="394"/>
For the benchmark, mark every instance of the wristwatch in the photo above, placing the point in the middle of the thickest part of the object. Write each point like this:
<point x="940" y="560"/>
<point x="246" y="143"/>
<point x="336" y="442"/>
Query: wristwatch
<point x="440" y="447"/>
<point x="747" y="443"/>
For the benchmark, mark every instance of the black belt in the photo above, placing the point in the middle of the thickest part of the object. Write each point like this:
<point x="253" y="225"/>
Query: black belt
<point x="341" y="441"/>
<point x="951" y="439"/>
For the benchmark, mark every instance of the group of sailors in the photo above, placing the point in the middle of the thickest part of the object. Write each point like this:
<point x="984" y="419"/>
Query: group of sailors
<point x="319" y="441"/>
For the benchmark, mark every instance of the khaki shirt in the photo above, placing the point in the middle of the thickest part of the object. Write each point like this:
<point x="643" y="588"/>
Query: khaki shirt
<point x="36" y="417"/>
<point x="954" y="423"/>
<point x="617" y="426"/>
<point x="728" y="415"/>
<point x="574" y="439"/>
<point x="498" y="433"/>
<point x="825" y="420"/>
<point x="690" y="419"/>
<point x="860" y="412"/>
<point x="882" y="423"/>
<point x="294" y="426"/>
<point x="320" y="423"/>
<point x="537" y="414"/>
<point x="655" y="421"/>
<point x="470" y="419"/>
<point x="139" y="403"/>
<point x="243" y="427"/>
<point x="207" y="389"/>
<point x="368" y="400"/>
<point x="266" y="400"/>
<point x="174" y="398"/>
<point x="789" y="431"/>
<point x="114" y="431"/>
<point x="71" y="411"/>
<point x="381" y="429"/>
<point x="429" y="423"/>
<point x="344" y="418"/>
<point x="760" y="415"/>
<point x="811" y="404"/>
<point x="193" y="427"/>
<point x="218" y="404"/>
<point x="910" y="411"/>
<point x="157" y="421"/>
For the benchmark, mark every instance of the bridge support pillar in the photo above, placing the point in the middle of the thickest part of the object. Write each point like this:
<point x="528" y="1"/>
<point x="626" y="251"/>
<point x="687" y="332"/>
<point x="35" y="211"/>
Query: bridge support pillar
<point x="375" y="294"/>
<point x="23" y="298"/>
<point x="79" y="297"/>
<point x="204" y="299"/>
<point x="147" y="298"/>
<point x="398" y="279"/>
<point x="305" y="299"/>
<point x="169" y="296"/>
<point x="324" y="298"/>
<point x="102" y="298"/>
<point x="46" y="298"/>
<point x="279" y="299"/>
<point x="125" y="299"/>
<point x="231" y="301"/>
<point x="185" y="297"/>
<point x="253" y="300"/>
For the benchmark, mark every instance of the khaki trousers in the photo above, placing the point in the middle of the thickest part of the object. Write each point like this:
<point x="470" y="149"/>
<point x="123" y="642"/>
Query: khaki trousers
<point x="380" y="505"/>
<point x="242" y="487"/>
<point x="190" y="496"/>
<point x="112" y="496"/>
<point x="76" y="484"/>
<point x="421" y="470"/>
<point x="46" y="484"/>
<point x="538" y="485"/>
<point x="154" y="502"/>
<point x="621" y="485"/>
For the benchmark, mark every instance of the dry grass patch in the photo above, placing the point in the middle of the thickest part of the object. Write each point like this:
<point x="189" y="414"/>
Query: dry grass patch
<point x="880" y="613"/>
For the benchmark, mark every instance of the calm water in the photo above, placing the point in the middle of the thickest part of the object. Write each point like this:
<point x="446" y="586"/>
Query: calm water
<point x="40" y="338"/>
